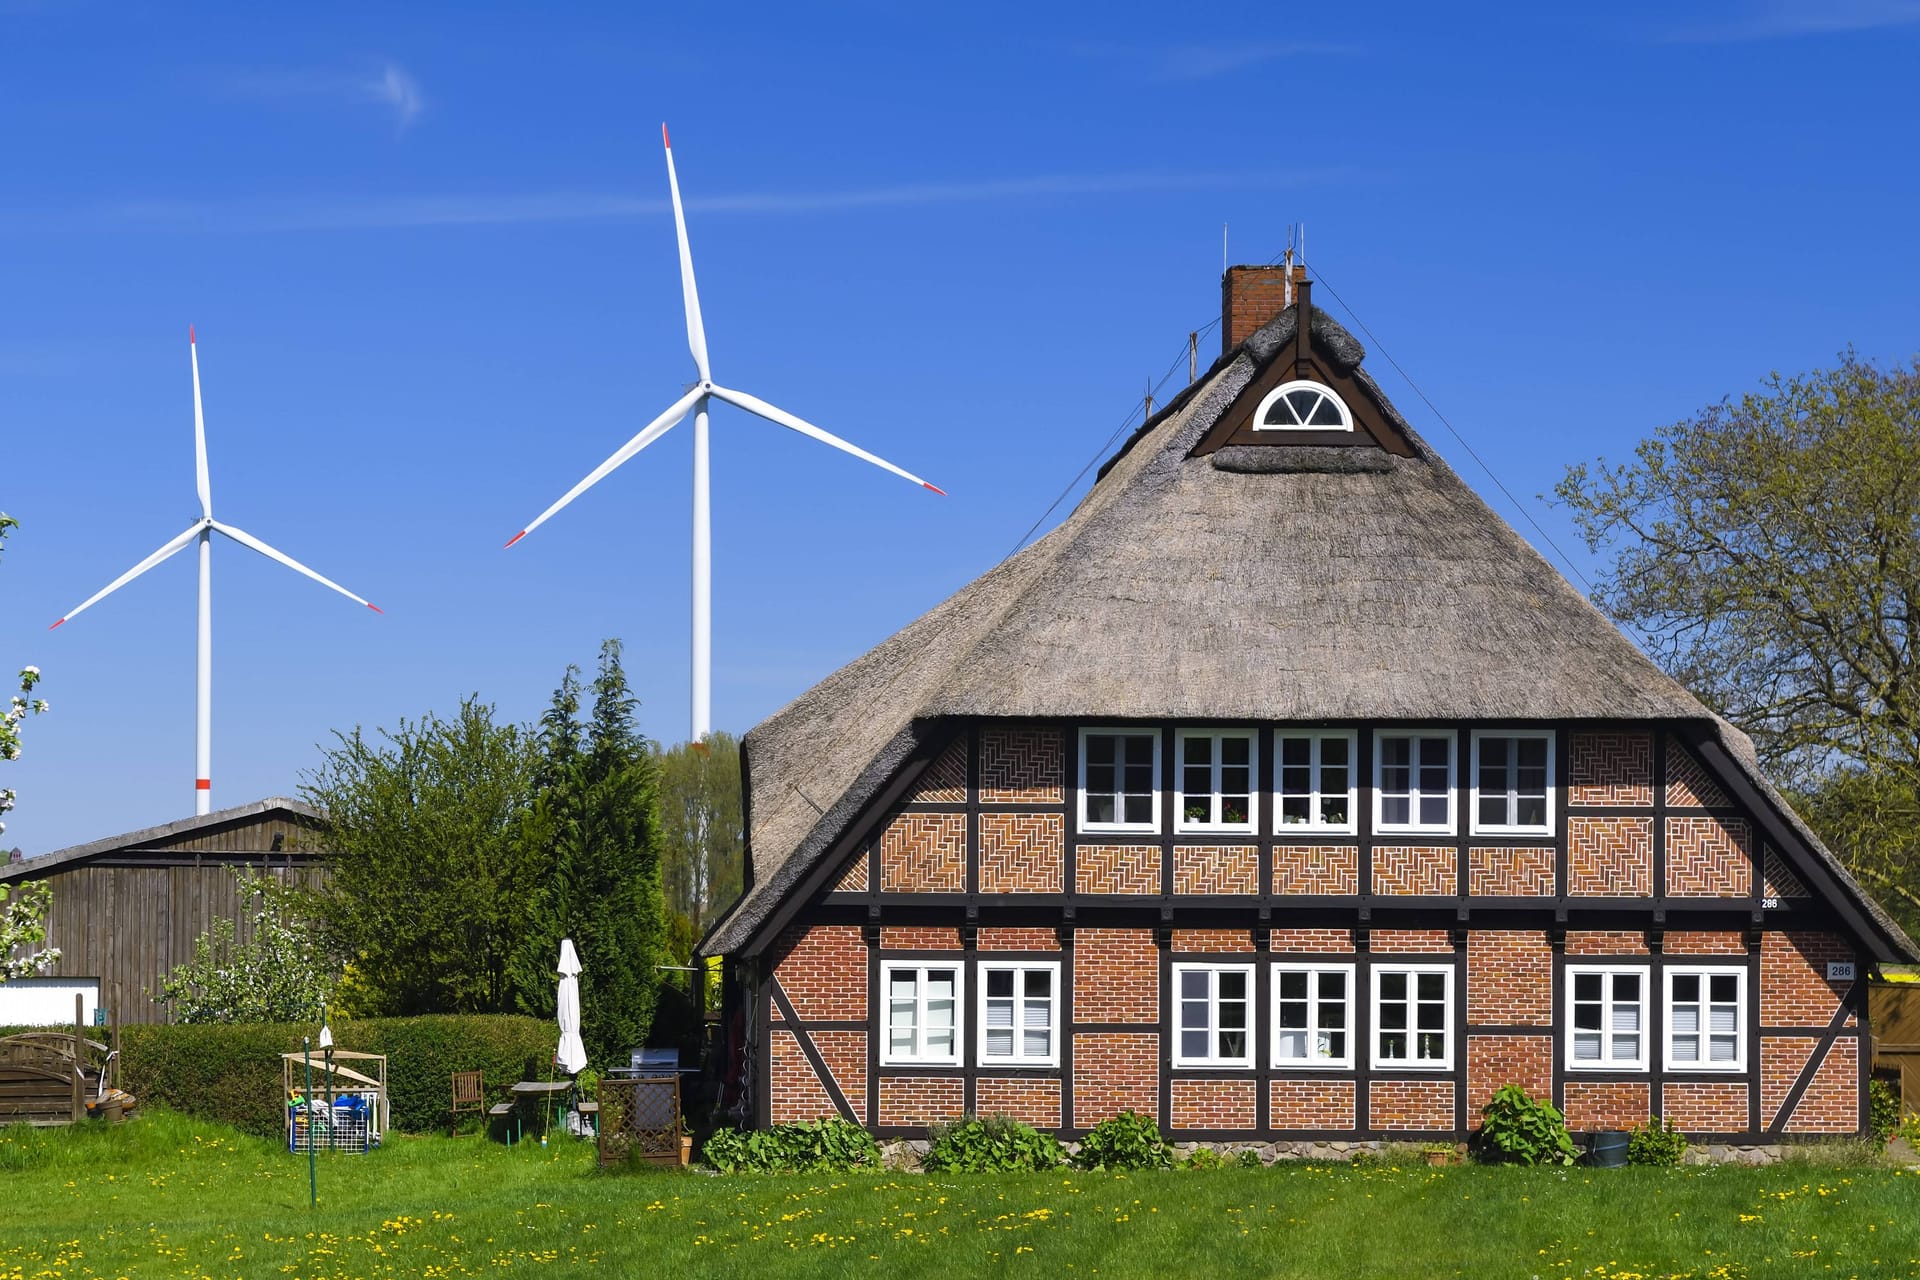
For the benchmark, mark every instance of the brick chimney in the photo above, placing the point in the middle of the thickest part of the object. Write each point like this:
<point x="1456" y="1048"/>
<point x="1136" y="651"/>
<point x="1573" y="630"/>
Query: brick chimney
<point x="1250" y="297"/>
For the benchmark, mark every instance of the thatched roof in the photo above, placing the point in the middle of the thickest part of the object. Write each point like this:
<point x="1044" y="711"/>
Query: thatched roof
<point x="1278" y="584"/>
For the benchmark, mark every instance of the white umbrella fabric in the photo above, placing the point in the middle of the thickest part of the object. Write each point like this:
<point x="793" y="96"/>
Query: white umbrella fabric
<point x="572" y="1054"/>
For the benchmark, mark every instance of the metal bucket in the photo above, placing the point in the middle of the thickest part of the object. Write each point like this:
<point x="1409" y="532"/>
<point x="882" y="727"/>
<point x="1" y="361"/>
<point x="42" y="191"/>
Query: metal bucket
<point x="1609" y="1150"/>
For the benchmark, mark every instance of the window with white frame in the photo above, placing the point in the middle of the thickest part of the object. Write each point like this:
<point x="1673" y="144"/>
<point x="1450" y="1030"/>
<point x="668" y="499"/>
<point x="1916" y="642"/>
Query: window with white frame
<point x="1315" y="781"/>
<point x="1413" y="782"/>
<point x="1413" y="1016"/>
<point x="1312" y="1015"/>
<point x="1119" y="780"/>
<point x="1213" y="1023"/>
<point x="1513" y="783"/>
<point x="1217" y="769"/>
<point x="1019" y="1014"/>
<point x="1302" y="406"/>
<point x="1607" y="1023"/>
<point x="923" y="1012"/>
<point x="1706" y="1019"/>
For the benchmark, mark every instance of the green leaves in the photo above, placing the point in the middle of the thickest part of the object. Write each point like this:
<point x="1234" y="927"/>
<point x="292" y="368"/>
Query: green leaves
<point x="814" y="1146"/>
<point x="1655" y="1144"/>
<point x="997" y="1144"/>
<point x="1126" y="1141"/>
<point x="279" y="973"/>
<point x="1521" y="1130"/>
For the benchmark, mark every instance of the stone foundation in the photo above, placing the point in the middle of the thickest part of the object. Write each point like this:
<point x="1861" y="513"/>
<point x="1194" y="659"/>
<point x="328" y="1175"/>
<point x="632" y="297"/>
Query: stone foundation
<point x="904" y="1154"/>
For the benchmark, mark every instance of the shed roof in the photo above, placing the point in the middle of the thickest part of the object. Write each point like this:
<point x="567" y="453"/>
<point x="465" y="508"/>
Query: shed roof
<point x="165" y="835"/>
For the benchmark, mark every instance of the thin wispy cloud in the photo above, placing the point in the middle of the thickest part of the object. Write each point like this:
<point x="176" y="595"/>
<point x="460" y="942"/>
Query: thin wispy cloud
<point x="1779" y="19"/>
<point x="388" y="86"/>
<point x="1192" y="62"/>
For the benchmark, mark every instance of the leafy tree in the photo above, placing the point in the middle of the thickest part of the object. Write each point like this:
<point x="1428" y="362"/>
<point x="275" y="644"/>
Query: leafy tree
<point x="23" y="908"/>
<point x="702" y="820"/>
<point x="1767" y="552"/>
<point x="429" y="880"/>
<point x="276" y="974"/>
<point x="595" y="825"/>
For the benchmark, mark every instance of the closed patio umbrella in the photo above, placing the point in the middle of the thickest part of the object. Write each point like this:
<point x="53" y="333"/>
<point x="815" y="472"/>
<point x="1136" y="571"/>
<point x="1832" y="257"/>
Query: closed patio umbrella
<point x="572" y="1054"/>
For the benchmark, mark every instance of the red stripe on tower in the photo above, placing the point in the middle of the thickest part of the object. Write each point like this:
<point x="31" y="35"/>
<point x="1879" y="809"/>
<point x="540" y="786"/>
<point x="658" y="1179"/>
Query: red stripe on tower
<point x="203" y="784"/>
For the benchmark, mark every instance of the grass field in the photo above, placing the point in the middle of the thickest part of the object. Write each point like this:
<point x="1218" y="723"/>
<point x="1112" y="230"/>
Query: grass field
<point x="168" y="1196"/>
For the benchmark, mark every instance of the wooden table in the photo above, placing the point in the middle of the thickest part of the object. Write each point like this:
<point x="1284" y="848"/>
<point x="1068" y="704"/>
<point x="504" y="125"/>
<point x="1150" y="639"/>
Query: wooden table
<point x="531" y="1091"/>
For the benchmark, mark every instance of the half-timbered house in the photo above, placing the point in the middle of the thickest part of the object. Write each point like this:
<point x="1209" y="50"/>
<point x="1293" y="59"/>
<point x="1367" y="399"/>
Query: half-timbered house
<point x="1285" y="794"/>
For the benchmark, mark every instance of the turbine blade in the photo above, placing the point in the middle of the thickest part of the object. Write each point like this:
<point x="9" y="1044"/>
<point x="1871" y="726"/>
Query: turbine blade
<point x="648" y="434"/>
<point x="171" y="548"/>
<point x="199" y="433"/>
<point x="755" y="405"/>
<point x="696" y="329"/>
<point x="246" y="539"/>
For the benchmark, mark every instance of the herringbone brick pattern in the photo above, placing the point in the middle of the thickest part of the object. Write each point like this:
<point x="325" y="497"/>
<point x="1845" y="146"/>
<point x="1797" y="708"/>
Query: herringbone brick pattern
<point x="1510" y="872"/>
<point x="1688" y="784"/>
<point x="1708" y="858"/>
<point x="1609" y="857"/>
<point x="1021" y="764"/>
<point x="1022" y="853"/>
<point x="854" y="878"/>
<point x="1430" y="870"/>
<point x="1216" y="868"/>
<point x="1117" y="868"/>
<point x="1782" y="882"/>
<point x="945" y="780"/>
<point x="1316" y="868"/>
<point x="1610" y="769"/>
<point x="924" y="853"/>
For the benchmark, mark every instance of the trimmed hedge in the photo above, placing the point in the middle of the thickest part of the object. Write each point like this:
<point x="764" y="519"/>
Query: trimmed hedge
<point x="231" y="1073"/>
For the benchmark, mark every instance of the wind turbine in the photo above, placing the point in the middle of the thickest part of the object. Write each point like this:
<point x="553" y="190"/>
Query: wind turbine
<point x="202" y="531"/>
<point x="696" y="401"/>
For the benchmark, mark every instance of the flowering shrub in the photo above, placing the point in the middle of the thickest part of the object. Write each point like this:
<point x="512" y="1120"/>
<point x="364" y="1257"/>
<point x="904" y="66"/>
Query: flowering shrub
<point x="279" y="974"/>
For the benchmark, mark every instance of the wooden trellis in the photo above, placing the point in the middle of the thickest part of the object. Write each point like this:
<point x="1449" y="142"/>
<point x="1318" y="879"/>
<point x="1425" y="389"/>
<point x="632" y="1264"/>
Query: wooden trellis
<point x="640" y="1120"/>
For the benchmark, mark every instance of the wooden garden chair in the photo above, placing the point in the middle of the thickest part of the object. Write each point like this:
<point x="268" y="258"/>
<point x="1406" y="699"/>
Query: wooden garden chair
<point x="469" y="1094"/>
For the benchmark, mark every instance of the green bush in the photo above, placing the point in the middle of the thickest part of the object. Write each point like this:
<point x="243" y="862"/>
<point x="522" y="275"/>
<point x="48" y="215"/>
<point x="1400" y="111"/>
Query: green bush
<point x="996" y="1144"/>
<point x="1204" y="1158"/>
<point x="1883" y="1111"/>
<point x="232" y="1073"/>
<point x="1126" y="1141"/>
<point x="1519" y="1129"/>
<point x="814" y="1146"/>
<point x="1247" y="1158"/>
<point x="1657" y="1144"/>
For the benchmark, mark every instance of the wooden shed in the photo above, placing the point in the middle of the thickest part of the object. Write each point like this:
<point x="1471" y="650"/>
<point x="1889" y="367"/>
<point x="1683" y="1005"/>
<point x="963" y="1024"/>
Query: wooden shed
<point x="127" y="909"/>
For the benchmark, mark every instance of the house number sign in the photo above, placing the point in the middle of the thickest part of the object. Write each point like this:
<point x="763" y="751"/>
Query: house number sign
<point x="1839" y="971"/>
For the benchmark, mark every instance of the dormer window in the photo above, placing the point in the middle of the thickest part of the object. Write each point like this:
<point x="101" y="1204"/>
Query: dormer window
<point x="1302" y="406"/>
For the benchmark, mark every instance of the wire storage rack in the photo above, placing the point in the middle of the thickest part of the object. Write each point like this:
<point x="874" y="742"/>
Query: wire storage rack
<point x="347" y="1110"/>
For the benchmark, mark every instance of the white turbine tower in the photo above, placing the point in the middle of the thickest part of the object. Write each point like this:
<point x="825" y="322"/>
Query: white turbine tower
<point x="695" y="401"/>
<point x="202" y="531"/>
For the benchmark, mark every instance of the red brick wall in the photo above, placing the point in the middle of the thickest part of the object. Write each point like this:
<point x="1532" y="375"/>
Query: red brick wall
<point x="921" y="1100"/>
<point x="1022" y="853"/>
<point x="1831" y="1103"/>
<point x="1028" y="1099"/>
<point x="1425" y="1105"/>
<point x="1781" y="881"/>
<point x="945" y="780"/>
<point x="1117" y="868"/>
<point x="1709" y="858"/>
<point x="1595" y="1105"/>
<point x="1310" y="1104"/>
<point x="1206" y="940"/>
<point x="1794" y="991"/>
<point x="1251" y="296"/>
<point x="823" y="970"/>
<point x="853" y="877"/>
<point x="1403" y="941"/>
<point x="1706" y="1108"/>
<point x="1494" y="1061"/>
<point x="991" y="938"/>
<point x="924" y="853"/>
<point x="1509" y="978"/>
<point x="1316" y="869"/>
<point x="1216" y="868"/>
<point x="1214" y="1104"/>
<point x="1021" y="764"/>
<point x="1115" y="1071"/>
<point x="1688" y="786"/>
<point x="900" y="937"/>
<point x="1116" y="976"/>
<point x="845" y="1053"/>
<point x="1609" y="857"/>
<point x="1612" y="769"/>
<point x="797" y="1093"/>
<point x="1308" y="941"/>
<point x="1704" y="942"/>
<point x="1606" y="942"/>
<point x="1781" y="1060"/>
<point x="1415" y="869"/>
<point x="1510" y="872"/>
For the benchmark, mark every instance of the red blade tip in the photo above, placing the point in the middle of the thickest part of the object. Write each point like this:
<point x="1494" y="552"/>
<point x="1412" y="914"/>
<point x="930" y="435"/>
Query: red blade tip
<point x="189" y="335"/>
<point x="663" y="136"/>
<point x="515" y="538"/>
<point x="377" y="609"/>
<point x="60" y="623"/>
<point x="936" y="488"/>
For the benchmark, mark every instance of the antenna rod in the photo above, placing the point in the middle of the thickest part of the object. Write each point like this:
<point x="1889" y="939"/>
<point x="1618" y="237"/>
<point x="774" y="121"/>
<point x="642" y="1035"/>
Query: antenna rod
<point x="1149" y="416"/>
<point x="1193" y="355"/>
<point x="1224" y="260"/>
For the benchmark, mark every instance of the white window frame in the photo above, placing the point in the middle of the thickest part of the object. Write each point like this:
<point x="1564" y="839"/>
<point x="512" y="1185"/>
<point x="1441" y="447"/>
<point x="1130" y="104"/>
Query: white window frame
<point x="1479" y="828"/>
<point x="1125" y="732"/>
<point x="1416" y="827"/>
<point x="1020" y="969"/>
<point x="1185" y="826"/>
<point x="1260" y="422"/>
<point x="1314" y="1003"/>
<point x="1313" y="826"/>
<point x="1607" y="1061"/>
<point x="1451" y="1030"/>
<point x="1706" y="972"/>
<point x="919" y="968"/>
<point x="1212" y="1060"/>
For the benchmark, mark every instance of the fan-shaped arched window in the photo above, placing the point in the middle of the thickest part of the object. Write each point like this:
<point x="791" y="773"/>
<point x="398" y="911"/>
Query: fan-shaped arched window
<point x="1302" y="406"/>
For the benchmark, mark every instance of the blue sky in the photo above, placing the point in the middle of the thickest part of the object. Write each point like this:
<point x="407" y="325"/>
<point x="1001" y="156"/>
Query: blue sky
<point x="432" y="268"/>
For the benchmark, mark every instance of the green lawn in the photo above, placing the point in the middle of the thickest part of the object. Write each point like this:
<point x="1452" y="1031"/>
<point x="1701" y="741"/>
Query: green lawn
<point x="168" y="1196"/>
